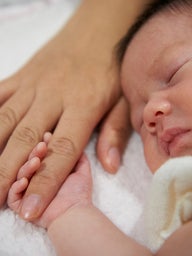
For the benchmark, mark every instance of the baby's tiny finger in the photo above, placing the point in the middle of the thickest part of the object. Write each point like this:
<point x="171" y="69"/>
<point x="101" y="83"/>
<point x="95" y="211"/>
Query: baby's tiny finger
<point x="47" y="137"/>
<point x="15" y="193"/>
<point x="19" y="185"/>
<point x="39" y="151"/>
<point x="29" y="168"/>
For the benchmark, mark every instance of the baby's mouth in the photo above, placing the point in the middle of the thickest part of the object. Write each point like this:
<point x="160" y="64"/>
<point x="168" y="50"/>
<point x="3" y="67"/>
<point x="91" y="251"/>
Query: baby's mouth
<point x="173" y="140"/>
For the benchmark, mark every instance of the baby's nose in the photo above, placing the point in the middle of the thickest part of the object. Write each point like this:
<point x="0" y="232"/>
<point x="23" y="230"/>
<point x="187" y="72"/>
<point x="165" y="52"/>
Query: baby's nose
<point x="153" y="113"/>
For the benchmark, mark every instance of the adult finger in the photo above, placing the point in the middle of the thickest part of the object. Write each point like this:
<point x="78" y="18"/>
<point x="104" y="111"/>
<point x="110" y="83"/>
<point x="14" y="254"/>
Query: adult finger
<point x="64" y="149"/>
<point x="12" y="112"/>
<point x="7" y="88"/>
<point x="113" y="136"/>
<point x="26" y="135"/>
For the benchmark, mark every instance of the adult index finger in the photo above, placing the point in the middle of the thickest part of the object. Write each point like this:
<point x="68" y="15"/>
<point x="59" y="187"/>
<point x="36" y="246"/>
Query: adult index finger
<point x="65" y="148"/>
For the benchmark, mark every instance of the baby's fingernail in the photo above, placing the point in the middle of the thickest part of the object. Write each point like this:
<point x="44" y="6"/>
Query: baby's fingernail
<point x="31" y="207"/>
<point x="113" y="159"/>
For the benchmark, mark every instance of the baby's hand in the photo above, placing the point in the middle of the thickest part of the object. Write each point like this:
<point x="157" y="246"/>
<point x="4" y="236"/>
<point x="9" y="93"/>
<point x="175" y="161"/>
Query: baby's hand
<point x="76" y="190"/>
<point x="25" y="173"/>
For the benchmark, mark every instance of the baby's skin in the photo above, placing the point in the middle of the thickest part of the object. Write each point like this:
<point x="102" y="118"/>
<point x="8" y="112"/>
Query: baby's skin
<point x="76" y="189"/>
<point x="72" y="206"/>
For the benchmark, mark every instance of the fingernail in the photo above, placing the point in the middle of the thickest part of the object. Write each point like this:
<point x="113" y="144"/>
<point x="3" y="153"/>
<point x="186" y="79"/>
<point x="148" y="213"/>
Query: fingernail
<point x="113" y="158"/>
<point x="30" y="207"/>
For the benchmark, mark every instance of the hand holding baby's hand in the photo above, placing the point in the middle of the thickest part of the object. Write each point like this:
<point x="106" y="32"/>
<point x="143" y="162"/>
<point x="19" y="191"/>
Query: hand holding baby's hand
<point x="76" y="190"/>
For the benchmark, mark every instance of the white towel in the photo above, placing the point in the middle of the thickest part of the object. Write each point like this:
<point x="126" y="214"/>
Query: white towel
<point x="170" y="200"/>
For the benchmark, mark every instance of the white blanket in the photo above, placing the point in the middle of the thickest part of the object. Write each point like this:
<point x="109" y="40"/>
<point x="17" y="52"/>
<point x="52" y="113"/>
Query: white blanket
<point x="169" y="202"/>
<point x="23" y="30"/>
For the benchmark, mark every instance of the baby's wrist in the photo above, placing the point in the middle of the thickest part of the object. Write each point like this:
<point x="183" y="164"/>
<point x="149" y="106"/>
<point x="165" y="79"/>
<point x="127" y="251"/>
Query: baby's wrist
<point x="79" y="207"/>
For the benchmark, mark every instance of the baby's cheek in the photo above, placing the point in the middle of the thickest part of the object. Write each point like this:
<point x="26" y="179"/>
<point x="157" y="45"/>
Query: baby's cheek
<point x="153" y="156"/>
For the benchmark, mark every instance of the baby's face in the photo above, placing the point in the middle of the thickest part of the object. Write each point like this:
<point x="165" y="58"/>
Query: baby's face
<point x="157" y="80"/>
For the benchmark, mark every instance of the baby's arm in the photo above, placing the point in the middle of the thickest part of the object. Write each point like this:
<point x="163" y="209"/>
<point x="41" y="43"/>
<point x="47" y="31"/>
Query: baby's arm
<point x="85" y="231"/>
<point x="74" y="225"/>
<point x="179" y="243"/>
<point x="82" y="230"/>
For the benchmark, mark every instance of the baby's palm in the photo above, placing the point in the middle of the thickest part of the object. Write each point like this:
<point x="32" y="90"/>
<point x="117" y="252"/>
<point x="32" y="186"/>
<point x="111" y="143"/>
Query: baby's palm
<point x="76" y="190"/>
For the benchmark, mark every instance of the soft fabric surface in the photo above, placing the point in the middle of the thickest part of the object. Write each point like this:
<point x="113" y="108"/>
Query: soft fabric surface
<point x="169" y="203"/>
<point x="122" y="196"/>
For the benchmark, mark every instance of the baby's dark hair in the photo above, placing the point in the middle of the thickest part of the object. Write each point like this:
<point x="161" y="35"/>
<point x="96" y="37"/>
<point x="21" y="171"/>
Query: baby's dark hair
<point x="152" y="9"/>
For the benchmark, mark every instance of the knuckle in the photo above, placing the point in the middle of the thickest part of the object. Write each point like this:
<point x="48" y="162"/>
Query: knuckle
<point x="8" y="117"/>
<point x="26" y="135"/>
<point x="5" y="177"/>
<point x="49" y="179"/>
<point x="63" y="146"/>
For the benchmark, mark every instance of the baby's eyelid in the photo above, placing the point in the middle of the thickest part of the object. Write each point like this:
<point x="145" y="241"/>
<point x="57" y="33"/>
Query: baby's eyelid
<point x="173" y="73"/>
<point x="177" y="69"/>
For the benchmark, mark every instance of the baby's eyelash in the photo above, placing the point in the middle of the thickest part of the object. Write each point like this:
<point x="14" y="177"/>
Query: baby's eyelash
<point x="176" y="69"/>
<point x="173" y="73"/>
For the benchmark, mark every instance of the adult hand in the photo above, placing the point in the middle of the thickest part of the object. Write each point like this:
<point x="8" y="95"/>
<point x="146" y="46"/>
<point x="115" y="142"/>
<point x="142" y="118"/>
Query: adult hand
<point x="67" y="88"/>
<point x="62" y="100"/>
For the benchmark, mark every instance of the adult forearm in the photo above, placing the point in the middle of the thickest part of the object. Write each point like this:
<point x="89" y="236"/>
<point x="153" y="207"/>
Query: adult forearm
<point x="96" y="26"/>
<point x="110" y="16"/>
<point x="85" y="231"/>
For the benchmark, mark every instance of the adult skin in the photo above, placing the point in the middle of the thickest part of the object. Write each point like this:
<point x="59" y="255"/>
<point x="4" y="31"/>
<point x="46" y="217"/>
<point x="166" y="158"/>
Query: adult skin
<point x="61" y="95"/>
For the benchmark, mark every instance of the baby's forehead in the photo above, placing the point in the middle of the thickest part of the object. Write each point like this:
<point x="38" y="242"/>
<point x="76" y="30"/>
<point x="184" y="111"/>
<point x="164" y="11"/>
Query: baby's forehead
<point x="161" y="32"/>
<point x="165" y="9"/>
<point x="152" y="9"/>
<point x="164" y="40"/>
